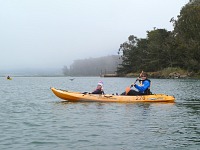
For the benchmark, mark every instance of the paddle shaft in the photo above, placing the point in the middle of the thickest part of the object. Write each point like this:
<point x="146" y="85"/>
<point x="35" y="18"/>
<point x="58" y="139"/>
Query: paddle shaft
<point x="129" y="88"/>
<point x="136" y="79"/>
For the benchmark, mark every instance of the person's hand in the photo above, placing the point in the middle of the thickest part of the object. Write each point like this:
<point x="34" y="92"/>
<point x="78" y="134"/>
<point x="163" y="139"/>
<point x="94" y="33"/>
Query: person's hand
<point x="132" y="84"/>
<point x="141" y="73"/>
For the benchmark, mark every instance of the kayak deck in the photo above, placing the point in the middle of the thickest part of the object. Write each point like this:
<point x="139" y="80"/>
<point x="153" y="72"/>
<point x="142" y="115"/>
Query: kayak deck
<point x="80" y="97"/>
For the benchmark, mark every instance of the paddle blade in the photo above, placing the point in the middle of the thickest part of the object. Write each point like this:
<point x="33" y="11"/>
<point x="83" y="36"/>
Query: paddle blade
<point x="127" y="90"/>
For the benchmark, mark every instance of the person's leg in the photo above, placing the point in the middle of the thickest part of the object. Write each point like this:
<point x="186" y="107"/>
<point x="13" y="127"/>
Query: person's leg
<point x="133" y="92"/>
<point x="124" y="93"/>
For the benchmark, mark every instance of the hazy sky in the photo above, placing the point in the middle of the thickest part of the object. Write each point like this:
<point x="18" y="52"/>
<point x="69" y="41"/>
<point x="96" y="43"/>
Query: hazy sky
<point x="53" y="33"/>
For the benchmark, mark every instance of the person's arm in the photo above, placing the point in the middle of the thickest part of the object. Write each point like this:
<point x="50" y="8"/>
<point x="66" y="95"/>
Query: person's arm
<point x="144" y="86"/>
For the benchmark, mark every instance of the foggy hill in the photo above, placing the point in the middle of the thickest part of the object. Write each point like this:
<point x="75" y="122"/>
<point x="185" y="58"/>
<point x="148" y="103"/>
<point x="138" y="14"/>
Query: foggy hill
<point x="93" y="66"/>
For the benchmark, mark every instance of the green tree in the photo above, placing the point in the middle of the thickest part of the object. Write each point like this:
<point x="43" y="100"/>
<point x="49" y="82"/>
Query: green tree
<point x="158" y="49"/>
<point x="148" y="54"/>
<point x="187" y="35"/>
<point x="128" y="50"/>
<point x="162" y="48"/>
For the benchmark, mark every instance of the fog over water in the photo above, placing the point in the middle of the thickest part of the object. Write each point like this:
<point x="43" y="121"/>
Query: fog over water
<point x="46" y="34"/>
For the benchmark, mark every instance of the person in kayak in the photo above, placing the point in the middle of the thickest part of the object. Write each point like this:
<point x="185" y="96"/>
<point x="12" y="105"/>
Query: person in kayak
<point x="99" y="89"/>
<point x="143" y="87"/>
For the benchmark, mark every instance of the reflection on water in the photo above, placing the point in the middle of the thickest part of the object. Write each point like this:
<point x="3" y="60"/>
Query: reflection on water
<point x="32" y="117"/>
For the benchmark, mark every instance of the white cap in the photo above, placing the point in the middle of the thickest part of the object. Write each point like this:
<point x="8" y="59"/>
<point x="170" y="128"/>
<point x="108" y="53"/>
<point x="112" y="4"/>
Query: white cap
<point x="100" y="83"/>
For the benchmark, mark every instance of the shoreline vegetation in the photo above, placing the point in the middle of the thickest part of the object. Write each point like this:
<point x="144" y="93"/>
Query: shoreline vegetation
<point x="169" y="73"/>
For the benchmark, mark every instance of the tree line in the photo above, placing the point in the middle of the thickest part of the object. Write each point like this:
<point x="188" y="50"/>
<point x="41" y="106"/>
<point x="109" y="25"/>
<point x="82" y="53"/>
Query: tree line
<point x="162" y="49"/>
<point x="93" y="66"/>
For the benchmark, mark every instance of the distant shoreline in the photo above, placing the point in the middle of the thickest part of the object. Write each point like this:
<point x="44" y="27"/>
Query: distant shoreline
<point x="126" y="76"/>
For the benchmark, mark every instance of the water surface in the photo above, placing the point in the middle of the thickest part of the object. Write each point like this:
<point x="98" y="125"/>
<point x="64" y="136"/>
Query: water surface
<point x="32" y="117"/>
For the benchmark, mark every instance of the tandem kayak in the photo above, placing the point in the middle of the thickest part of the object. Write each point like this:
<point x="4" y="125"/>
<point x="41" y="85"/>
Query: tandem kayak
<point x="80" y="97"/>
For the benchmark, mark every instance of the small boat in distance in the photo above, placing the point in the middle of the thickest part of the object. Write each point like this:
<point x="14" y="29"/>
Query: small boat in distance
<point x="9" y="78"/>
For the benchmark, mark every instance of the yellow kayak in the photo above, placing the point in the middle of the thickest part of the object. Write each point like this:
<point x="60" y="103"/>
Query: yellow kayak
<point x="80" y="97"/>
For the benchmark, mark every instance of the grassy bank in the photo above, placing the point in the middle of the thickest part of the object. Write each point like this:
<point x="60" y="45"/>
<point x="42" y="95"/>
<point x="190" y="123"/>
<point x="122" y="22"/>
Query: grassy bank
<point x="169" y="73"/>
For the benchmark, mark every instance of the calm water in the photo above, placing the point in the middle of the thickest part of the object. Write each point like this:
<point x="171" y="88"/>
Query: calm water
<point x="32" y="118"/>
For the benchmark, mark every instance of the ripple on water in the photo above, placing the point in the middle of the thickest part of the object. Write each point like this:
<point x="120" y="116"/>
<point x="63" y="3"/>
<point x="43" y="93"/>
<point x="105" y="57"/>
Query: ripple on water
<point x="31" y="117"/>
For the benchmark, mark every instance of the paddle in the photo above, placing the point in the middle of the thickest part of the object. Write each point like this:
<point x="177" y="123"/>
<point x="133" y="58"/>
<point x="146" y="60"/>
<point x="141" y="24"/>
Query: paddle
<point x="129" y="88"/>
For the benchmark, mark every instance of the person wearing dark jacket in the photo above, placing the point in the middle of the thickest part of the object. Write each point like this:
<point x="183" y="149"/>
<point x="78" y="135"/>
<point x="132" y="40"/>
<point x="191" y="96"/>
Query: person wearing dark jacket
<point x="99" y="89"/>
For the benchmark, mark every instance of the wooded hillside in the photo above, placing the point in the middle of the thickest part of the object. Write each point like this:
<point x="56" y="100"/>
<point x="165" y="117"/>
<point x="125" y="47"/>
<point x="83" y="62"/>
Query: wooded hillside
<point x="162" y="49"/>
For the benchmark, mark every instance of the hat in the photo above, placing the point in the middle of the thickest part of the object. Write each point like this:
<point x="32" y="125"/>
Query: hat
<point x="100" y="83"/>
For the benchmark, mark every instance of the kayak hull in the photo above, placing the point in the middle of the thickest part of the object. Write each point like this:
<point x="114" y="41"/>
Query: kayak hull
<point x="80" y="97"/>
